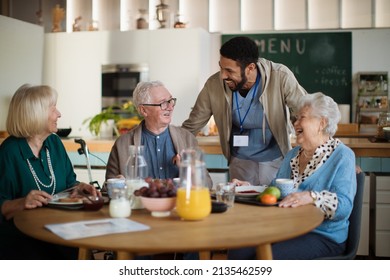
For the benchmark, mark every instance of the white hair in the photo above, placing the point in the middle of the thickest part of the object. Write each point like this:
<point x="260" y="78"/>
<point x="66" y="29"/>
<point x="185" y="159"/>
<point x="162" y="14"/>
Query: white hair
<point x="322" y="106"/>
<point x="141" y="94"/>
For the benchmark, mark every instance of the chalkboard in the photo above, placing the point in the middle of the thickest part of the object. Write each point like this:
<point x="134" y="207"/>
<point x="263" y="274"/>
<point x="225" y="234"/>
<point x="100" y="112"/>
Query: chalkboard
<point x="320" y="61"/>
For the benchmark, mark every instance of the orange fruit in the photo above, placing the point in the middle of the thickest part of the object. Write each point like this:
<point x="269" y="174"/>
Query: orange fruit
<point x="275" y="191"/>
<point x="268" y="199"/>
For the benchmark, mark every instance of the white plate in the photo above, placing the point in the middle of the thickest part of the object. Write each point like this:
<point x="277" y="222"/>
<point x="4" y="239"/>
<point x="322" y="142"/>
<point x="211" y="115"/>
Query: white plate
<point x="64" y="203"/>
<point x="246" y="190"/>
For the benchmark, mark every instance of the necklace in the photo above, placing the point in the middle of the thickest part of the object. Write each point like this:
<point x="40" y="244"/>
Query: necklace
<point x="52" y="175"/>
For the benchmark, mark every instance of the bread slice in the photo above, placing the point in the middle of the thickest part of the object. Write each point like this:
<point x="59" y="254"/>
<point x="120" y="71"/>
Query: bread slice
<point x="71" y="199"/>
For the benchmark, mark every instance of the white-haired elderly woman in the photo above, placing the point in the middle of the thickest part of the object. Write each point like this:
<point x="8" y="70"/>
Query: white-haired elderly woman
<point x="34" y="166"/>
<point x="323" y="170"/>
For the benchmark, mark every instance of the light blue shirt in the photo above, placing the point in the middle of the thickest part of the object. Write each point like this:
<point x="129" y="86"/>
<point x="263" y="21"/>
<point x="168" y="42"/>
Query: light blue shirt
<point x="159" y="151"/>
<point x="249" y="114"/>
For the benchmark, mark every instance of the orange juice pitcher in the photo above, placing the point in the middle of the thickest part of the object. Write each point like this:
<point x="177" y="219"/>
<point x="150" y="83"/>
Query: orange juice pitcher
<point x="193" y="197"/>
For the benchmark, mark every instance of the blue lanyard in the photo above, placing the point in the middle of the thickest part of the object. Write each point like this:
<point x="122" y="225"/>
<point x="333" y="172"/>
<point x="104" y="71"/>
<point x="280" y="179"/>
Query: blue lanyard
<point x="247" y="111"/>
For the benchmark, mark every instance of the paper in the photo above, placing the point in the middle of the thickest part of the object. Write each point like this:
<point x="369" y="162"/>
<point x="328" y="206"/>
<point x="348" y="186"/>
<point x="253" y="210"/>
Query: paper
<point x="91" y="228"/>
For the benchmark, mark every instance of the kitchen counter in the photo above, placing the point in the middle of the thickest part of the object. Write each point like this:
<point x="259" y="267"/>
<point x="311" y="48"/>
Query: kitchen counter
<point x="210" y="145"/>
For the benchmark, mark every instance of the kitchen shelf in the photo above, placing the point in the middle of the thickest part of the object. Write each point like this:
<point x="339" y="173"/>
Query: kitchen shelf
<point x="372" y="98"/>
<point x="373" y="110"/>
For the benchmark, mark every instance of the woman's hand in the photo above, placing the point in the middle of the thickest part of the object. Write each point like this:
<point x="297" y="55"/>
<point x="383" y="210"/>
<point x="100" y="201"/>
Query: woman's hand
<point x="33" y="200"/>
<point x="296" y="199"/>
<point x="36" y="199"/>
<point x="86" y="189"/>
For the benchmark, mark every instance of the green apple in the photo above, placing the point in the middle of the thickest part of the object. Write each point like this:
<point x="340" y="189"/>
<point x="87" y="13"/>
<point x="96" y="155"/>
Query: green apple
<point x="272" y="190"/>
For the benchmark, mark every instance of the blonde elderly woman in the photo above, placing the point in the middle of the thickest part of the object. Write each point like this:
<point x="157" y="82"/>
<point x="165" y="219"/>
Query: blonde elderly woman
<point x="34" y="166"/>
<point x="323" y="170"/>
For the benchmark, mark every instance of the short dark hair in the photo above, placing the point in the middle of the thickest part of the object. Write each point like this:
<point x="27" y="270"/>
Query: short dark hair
<point x="241" y="49"/>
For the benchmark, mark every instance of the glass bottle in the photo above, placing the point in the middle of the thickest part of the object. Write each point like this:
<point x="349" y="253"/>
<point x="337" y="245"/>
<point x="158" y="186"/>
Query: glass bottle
<point x="136" y="172"/>
<point x="193" y="196"/>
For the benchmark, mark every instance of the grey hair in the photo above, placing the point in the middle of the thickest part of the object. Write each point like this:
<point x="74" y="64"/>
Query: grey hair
<point x="141" y="94"/>
<point x="322" y="106"/>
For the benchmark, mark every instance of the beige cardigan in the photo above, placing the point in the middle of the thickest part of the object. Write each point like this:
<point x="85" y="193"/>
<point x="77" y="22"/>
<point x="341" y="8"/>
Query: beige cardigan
<point x="281" y="91"/>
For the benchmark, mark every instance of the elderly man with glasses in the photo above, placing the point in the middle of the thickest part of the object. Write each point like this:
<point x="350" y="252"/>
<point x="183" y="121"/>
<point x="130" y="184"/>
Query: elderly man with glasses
<point x="163" y="142"/>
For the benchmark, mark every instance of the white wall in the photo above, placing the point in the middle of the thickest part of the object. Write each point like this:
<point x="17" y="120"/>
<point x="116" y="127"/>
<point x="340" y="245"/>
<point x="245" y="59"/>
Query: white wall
<point x="181" y="58"/>
<point x="21" y="56"/>
<point x="178" y="57"/>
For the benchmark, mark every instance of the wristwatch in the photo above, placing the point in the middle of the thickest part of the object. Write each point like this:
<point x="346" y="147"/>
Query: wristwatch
<point x="313" y="196"/>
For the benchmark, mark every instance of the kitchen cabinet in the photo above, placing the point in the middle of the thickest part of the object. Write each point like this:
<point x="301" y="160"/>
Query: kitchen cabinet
<point x="363" y="249"/>
<point x="382" y="229"/>
<point x="372" y="99"/>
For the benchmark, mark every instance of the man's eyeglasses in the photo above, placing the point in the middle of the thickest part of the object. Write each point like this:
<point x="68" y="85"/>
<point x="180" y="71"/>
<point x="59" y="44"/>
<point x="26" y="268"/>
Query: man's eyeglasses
<point x="164" y="105"/>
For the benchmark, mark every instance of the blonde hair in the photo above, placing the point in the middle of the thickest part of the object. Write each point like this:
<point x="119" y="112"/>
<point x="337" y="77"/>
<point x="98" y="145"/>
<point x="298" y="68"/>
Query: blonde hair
<point x="28" y="111"/>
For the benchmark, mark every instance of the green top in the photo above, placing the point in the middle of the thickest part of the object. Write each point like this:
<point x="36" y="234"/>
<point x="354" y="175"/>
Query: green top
<point x="17" y="180"/>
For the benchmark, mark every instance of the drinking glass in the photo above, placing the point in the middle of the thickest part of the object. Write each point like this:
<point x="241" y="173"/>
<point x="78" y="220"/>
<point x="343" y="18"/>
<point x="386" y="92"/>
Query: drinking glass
<point x="225" y="192"/>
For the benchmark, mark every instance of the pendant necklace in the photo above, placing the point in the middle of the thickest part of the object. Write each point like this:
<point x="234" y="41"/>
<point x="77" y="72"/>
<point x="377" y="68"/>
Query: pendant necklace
<point x="52" y="175"/>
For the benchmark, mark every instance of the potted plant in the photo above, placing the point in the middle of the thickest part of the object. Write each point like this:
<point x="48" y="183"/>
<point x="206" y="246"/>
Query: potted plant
<point x="108" y="114"/>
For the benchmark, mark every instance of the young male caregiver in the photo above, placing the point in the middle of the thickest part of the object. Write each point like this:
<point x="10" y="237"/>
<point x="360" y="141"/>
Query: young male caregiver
<point x="250" y="99"/>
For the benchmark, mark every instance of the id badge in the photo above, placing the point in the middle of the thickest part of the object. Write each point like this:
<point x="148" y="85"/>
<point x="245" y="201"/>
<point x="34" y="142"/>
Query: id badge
<point x="240" y="140"/>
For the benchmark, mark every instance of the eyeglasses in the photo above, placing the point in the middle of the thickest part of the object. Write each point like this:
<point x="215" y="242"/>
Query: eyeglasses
<point x="164" y="105"/>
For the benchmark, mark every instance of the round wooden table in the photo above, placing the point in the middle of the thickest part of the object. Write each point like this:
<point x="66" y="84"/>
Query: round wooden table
<point x="241" y="226"/>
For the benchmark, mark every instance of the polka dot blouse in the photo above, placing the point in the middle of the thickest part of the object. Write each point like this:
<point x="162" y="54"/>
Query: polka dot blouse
<point x="326" y="201"/>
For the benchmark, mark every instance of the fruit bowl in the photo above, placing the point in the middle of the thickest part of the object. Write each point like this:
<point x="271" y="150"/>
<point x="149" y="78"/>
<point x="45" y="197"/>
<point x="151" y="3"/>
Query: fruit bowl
<point x="159" y="206"/>
<point x="64" y="132"/>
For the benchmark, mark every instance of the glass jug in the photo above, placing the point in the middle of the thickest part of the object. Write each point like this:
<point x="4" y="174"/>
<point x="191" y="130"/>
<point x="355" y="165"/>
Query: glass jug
<point x="136" y="172"/>
<point x="120" y="206"/>
<point x="193" y="200"/>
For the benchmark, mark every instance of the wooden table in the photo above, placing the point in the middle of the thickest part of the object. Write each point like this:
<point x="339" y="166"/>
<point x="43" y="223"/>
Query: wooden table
<point x="241" y="226"/>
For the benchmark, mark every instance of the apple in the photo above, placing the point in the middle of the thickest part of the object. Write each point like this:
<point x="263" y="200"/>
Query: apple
<point x="271" y="190"/>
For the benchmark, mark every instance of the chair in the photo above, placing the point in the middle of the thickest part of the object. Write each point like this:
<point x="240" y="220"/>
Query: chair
<point x="354" y="223"/>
